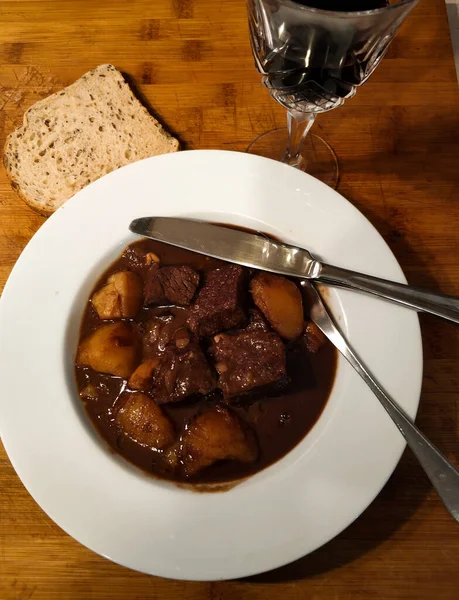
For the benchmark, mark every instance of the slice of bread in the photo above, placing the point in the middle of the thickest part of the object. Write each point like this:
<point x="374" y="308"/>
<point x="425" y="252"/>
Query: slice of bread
<point x="75" y="136"/>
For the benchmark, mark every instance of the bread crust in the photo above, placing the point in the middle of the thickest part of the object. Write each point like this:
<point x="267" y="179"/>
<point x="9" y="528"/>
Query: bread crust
<point x="75" y="136"/>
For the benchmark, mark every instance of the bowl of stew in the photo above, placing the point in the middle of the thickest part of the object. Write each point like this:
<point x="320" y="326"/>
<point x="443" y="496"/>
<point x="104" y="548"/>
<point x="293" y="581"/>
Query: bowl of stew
<point x="199" y="371"/>
<point x="179" y="415"/>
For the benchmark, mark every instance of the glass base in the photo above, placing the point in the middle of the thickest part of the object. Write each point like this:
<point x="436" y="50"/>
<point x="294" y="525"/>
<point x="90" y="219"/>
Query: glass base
<point x="317" y="157"/>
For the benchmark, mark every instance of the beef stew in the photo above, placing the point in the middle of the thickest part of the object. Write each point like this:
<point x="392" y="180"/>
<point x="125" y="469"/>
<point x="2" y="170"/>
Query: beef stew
<point x="196" y="370"/>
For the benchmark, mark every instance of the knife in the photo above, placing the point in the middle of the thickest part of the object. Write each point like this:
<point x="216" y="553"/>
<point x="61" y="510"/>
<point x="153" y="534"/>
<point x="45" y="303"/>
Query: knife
<point x="257" y="251"/>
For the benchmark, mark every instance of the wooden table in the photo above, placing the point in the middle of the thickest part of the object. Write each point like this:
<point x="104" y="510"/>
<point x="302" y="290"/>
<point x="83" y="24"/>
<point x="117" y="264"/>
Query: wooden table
<point x="397" y="142"/>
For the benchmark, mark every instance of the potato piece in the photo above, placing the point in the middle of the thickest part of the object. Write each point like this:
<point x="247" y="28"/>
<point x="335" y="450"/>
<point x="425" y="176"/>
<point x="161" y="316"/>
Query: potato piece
<point x="129" y="286"/>
<point x="107" y="303"/>
<point x="141" y="419"/>
<point x="142" y="376"/>
<point x="280" y="301"/>
<point x="216" y="434"/>
<point x="151" y="257"/>
<point x="121" y="297"/>
<point x="111" y="348"/>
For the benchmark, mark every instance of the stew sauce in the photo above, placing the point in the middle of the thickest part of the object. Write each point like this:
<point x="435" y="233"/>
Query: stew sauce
<point x="278" y="417"/>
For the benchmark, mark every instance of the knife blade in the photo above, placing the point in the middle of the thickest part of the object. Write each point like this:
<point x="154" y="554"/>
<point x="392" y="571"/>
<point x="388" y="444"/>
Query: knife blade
<point x="232" y="245"/>
<point x="259" y="252"/>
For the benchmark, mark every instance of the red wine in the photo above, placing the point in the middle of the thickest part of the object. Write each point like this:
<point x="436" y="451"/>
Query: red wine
<point x="344" y="5"/>
<point x="312" y="61"/>
<point x="311" y="80"/>
<point x="316" y="84"/>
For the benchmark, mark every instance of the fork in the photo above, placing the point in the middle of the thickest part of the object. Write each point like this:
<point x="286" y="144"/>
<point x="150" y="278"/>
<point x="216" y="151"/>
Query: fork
<point x="443" y="475"/>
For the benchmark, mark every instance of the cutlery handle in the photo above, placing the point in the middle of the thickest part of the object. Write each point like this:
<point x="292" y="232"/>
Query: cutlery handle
<point x="442" y="474"/>
<point x="435" y="303"/>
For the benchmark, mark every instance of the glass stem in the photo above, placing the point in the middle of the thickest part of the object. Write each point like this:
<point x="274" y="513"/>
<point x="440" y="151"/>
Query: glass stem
<point x="298" y="125"/>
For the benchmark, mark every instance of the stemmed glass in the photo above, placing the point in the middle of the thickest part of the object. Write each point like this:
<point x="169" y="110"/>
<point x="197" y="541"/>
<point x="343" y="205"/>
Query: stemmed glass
<point x="312" y="55"/>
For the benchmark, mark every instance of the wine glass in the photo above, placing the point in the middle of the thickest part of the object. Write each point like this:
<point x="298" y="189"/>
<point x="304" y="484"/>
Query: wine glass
<point x="312" y="55"/>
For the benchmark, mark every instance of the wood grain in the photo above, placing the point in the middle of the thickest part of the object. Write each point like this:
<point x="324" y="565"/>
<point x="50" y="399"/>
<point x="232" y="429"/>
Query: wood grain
<point x="397" y="142"/>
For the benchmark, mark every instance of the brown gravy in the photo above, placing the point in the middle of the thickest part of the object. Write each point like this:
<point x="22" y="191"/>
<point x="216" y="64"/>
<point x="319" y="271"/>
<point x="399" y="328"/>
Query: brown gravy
<point x="279" y="422"/>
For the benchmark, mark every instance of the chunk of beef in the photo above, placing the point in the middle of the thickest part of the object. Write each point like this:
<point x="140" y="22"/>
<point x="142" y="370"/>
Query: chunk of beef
<point x="174" y="284"/>
<point x="141" y="419"/>
<point x="179" y="284"/>
<point x="279" y="299"/>
<point x="214" y="435"/>
<point x="153" y="291"/>
<point x="219" y="305"/>
<point x="313" y="338"/>
<point x="248" y="360"/>
<point x="257" y="322"/>
<point x="182" y="373"/>
<point x="112" y="348"/>
<point x="136" y="257"/>
<point x="163" y="331"/>
<point x="158" y="334"/>
<point x="139" y="259"/>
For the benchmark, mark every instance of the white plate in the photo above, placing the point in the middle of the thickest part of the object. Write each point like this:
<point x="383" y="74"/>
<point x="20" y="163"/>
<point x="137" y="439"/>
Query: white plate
<point x="281" y="513"/>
